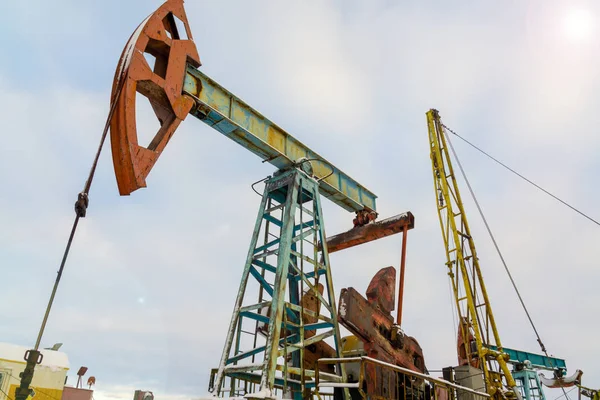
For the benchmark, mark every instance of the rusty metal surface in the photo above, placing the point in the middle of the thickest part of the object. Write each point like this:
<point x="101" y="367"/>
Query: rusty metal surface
<point x="371" y="321"/>
<point x="375" y="328"/>
<point x="316" y="351"/>
<point x="156" y="37"/>
<point x="372" y="231"/>
<point x="320" y="349"/>
<point x="402" y="270"/>
<point x="311" y="302"/>
<point x="381" y="290"/>
<point x="363" y="217"/>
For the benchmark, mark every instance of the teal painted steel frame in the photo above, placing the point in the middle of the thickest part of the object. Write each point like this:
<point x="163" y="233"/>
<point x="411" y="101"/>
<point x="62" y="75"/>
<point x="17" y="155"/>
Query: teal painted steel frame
<point x="284" y="282"/>
<point x="228" y="114"/>
<point x="524" y="379"/>
<point x="538" y="361"/>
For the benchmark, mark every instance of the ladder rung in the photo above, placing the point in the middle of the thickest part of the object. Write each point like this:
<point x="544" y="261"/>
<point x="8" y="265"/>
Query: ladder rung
<point x="275" y="208"/>
<point x="264" y="265"/>
<point x="309" y="242"/>
<point x="266" y="245"/>
<point x="307" y="211"/>
<point x="273" y="220"/>
<point x="463" y="234"/>
<point x="303" y="235"/>
<point x="266" y="254"/>
<point x="304" y="225"/>
<point x="307" y="259"/>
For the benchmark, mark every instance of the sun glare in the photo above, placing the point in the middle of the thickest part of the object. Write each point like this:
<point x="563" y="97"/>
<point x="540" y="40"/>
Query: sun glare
<point x="578" y="24"/>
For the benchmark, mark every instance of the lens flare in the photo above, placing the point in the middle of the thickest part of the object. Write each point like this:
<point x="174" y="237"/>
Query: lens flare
<point x="578" y="24"/>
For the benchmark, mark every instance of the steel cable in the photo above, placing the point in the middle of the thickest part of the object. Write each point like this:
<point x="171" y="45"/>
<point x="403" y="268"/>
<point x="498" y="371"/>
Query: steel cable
<point x="539" y="340"/>
<point x="521" y="176"/>
<point x="6" y="394"/>
<point x="566" y="393"/>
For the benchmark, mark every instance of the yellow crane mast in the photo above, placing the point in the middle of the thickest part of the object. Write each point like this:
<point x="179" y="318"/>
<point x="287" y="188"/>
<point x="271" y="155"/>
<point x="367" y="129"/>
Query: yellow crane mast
<point x="481" y="346"/>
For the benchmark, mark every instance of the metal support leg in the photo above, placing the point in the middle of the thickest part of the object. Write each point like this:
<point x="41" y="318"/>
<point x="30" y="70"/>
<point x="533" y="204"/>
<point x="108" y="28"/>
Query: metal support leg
<point x="281" y="268"/>
<point x="401" y="280"/>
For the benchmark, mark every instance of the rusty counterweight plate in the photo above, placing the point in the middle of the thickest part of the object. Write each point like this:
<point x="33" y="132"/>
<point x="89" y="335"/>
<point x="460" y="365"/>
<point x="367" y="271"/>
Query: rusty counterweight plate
<point x="371" y="321"/>
<point x="363" y="319"/>
<point x="157" y="37"/>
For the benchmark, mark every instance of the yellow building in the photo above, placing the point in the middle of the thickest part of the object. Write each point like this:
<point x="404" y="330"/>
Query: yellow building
<point x="48" y="379"/>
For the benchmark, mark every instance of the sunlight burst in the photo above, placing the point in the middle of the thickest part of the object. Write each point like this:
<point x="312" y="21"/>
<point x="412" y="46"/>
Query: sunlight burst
<point x="578" y="24"/>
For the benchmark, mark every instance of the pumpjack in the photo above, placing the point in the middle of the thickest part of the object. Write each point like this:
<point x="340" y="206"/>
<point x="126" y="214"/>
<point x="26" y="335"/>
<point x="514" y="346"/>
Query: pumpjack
<point x="285" y="317"/>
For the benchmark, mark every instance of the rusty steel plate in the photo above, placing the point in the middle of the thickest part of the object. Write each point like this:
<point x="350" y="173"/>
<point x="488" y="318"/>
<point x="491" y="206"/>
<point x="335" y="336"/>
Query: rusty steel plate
<point x="157" y="38"/>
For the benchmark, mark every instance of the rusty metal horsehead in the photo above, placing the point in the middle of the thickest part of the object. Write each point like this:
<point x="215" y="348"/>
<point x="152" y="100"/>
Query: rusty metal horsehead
<point x="159" y="37"/>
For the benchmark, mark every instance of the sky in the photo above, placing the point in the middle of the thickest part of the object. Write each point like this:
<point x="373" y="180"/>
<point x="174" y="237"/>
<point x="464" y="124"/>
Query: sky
<point x="149" y="286"/>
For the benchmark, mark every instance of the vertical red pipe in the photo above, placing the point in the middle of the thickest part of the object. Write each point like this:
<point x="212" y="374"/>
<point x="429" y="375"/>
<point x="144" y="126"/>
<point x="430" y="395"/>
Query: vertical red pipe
<point x="401" y="281"/>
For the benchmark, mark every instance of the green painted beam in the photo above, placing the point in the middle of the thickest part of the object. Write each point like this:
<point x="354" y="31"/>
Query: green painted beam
<point x="228" y="114"/>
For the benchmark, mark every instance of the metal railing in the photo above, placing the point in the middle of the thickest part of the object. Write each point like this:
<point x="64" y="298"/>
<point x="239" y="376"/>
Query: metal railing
<point x="372" y="379"/>
<point x="380" y="380"/>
